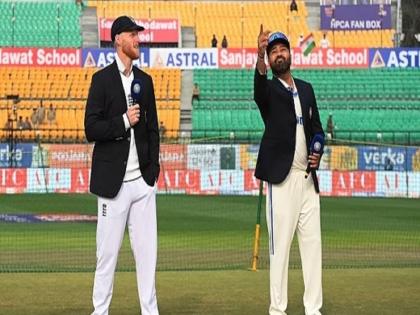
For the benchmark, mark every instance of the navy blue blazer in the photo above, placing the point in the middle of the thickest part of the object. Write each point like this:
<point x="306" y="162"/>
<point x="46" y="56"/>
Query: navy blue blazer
<point x="278" y="142"/>
<point x="104" y="124"/>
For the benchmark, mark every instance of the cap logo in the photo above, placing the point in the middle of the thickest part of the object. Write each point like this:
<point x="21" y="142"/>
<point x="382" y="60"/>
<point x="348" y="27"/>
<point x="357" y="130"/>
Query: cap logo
<point x="276" y="36"/>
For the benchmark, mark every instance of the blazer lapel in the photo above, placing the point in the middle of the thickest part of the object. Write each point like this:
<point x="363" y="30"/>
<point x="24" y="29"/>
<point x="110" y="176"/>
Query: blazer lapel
<point x="303" y="102"/>
<point x="280" y="86"/>
<point x="116" y="78"/>
<point x="305" y="105"/>
<point x="143" y="104"/>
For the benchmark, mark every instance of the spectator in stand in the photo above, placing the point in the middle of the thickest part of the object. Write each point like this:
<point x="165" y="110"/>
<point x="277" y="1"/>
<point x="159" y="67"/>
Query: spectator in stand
<point x="214" y="41"/>
<point x="51" y="115"/>
<point x="34" y="118"/>
<point x="300" y="40"/>
<point x="293" y="6"/>
<point x="196" y="92"/>
<point x="330" y="126"/>
<point x="324" y="42"/>
<point x="20" y="123"/>
<point x="40" y="113"/>
<point x="80" y="3"/>
<point x="224" y="42"/>
<point x="27" y="124"/>
<point x="162" y="130"/>
<point x="9" y="123"/>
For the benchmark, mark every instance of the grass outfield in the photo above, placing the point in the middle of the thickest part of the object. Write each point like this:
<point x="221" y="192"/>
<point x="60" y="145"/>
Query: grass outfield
<point x="210" y="233"/>
<point x="375" y="291"/>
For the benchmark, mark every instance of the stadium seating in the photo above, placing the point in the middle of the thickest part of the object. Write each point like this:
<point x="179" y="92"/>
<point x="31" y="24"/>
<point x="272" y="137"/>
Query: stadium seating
<point x="240" y="21"/>
<point x="67" y="90"/>
<point x="56" y="24"/>
<point x="6" y="24"/>
<point x="367" y="105"/>
<point x="358" y="39"/>
<point x="40" y="24"/>
<point x="350" y="95"/>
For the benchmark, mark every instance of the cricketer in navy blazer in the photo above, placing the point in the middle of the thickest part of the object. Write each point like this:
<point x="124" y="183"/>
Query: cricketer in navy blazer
<point x="104" y="125"/>
<point x="277" y="110"/>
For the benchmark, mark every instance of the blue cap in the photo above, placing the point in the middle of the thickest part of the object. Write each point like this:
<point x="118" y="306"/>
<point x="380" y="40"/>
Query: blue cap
<point x="277" y="37"/>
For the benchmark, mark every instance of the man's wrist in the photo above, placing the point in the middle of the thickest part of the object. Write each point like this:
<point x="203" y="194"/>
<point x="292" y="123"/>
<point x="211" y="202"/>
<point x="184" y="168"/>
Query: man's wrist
<point x="127" y="120"/>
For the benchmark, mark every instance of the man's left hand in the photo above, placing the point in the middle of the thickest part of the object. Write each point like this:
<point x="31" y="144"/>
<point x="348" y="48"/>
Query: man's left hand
<point x="313" y="160"/>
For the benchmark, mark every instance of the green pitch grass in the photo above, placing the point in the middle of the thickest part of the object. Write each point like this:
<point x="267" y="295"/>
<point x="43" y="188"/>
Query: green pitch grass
<point x="211" y="233"/>
<point x="377" y="291"/>
<point x="209" y="241"/>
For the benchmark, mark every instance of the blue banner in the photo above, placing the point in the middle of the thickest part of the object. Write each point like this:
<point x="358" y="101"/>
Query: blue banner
<point x="385" y="158"/>
<point x="185" y="58"/>
<point x="18" y="218"/>
<point x="394" y="58"/>
<point x="36" y="218"/>
<point x="102" y="57"/>
<point x="20" y="155"/>
<point x="355" y="17"/>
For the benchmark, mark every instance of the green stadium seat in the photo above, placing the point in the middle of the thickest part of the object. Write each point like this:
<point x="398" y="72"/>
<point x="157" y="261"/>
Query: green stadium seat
<point x="371" y="136"/>
<point x="54" y="24"/>
<point x="415" y="138"/>
<point x="401" y="137"/>
<point x="363" y="102"/>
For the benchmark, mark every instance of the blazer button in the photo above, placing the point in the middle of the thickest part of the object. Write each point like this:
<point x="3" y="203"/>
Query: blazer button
<point x="128" y="139"/>
<point x="125" y="162"/>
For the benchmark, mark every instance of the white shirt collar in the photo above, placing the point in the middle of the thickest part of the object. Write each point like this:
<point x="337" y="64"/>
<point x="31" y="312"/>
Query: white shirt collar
<point x="120" y="64"/>
<point x="288" y="87"/>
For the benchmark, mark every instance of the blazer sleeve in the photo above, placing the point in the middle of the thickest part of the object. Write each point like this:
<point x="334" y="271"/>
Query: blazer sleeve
<point x="98" y="126"/>
<point x="153" y="127"/>
<point x="316" y="126"/>
<point x="261" y="90"/>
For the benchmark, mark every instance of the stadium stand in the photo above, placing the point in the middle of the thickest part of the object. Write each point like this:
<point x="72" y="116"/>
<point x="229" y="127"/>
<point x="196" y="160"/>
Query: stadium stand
<point x="67" y="91"/>
<point x="364" y="102"/>
<point x="240" y="21"/>
<point x="367" y="105"/>
<point x="184" y="10"/>
<point x="40" y="24"/>
<point x="357" y="39"/>
<point x="348" y="94"/>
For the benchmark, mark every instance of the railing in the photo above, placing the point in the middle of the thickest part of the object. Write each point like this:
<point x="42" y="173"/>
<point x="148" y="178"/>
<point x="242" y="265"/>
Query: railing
<point x="77" y="135"/>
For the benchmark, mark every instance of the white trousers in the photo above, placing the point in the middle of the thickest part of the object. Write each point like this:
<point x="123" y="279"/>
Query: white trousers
<point x="293" y="206"/>
<point x="135" y="204"/>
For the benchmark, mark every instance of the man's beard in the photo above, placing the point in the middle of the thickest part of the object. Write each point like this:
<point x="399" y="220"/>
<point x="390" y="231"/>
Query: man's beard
<point x="279" y="68"/>
<point x="130" y="53"/>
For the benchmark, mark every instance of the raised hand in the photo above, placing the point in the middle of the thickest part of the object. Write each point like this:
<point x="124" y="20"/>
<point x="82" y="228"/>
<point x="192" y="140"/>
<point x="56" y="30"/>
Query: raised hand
<point x="262" y="42"/>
